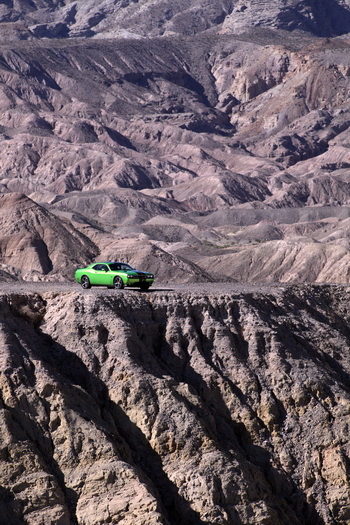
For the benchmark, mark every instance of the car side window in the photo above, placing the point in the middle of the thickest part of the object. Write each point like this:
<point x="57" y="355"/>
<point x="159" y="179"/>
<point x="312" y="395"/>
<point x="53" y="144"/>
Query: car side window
<point x="100" y="267"/>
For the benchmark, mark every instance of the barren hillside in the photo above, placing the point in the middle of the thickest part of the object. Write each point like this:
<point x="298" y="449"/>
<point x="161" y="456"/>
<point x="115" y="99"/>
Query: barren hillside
<point x="152" y="143"/>
<point x="142" y="123"/>
<point x="142" y="18"/>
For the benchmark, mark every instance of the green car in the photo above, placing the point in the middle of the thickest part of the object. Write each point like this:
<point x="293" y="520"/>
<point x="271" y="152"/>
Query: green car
<point x="113" y="275"/>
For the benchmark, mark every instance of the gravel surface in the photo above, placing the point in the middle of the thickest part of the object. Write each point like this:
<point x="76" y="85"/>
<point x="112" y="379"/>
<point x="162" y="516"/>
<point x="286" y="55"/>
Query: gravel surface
<point x="192" y="288"/>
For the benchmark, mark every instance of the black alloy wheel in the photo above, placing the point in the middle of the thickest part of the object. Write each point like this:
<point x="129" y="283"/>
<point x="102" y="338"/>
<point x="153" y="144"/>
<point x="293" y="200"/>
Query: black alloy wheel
<point x="85" y="282"/>
<point x="118" y="283"/>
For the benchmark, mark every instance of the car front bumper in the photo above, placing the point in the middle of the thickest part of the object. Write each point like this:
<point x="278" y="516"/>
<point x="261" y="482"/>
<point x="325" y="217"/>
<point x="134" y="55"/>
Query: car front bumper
<point x="138" y="281"/>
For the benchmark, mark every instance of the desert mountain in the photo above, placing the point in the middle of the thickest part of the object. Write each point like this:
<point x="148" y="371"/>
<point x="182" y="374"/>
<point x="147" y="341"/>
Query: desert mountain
<point x="160" y="119"/>
<point x="141" y="18"/>
<point x="203" y="141"/>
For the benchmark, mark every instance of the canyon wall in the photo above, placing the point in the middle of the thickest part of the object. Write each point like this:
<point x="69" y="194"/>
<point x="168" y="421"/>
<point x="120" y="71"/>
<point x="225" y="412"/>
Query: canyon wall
<point x="175" y="408"/>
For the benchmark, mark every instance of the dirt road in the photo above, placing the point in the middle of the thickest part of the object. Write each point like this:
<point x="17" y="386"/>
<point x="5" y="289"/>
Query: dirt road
<point x="220" y="288"/>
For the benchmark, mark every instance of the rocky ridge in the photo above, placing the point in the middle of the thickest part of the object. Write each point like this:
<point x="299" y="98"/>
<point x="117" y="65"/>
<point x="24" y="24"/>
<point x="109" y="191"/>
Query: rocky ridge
<point x="175" y="408"/>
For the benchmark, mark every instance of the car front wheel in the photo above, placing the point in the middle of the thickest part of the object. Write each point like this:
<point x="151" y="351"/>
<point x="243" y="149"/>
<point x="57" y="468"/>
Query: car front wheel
<point x="85" y="282"/>
<point x="118" y="283"/>
<point x="144" y="287"/>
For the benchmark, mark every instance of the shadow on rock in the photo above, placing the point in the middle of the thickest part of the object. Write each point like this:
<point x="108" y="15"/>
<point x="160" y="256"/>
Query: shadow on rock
<point x="126" y="438"/>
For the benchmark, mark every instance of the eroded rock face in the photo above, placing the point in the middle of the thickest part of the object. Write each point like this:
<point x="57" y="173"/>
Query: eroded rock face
<point x="327" y="19"/>
<point x="169" y="408"/>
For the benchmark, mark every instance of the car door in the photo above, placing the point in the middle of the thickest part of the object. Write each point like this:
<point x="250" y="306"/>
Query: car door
<point x="99" y="274"/>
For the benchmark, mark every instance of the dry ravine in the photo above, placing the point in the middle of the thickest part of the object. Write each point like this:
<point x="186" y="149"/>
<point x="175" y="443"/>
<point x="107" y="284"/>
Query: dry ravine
<point x="175" y="408"/>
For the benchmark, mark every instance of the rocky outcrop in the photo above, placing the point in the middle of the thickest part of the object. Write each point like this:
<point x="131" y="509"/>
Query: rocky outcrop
<point x="175" y="408"/>
<point x="330" y="18"/>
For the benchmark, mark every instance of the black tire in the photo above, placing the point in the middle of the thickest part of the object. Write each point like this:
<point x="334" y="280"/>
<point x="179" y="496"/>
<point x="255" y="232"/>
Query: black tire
<point x="85" y="282"/>
<point x="118" y="283"/>
<point x="144" y="287"/>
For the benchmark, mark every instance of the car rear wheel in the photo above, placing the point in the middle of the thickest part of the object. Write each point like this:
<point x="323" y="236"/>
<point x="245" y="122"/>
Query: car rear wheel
<point x="118" y="283"/>
<point x="85" y="282"/>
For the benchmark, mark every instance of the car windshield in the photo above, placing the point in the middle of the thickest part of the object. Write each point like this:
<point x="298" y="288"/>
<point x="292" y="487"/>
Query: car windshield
<point x="120" y="266"/>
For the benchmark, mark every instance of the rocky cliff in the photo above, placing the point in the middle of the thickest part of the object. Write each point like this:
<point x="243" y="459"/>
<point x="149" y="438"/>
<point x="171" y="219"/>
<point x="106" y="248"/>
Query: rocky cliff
<point x="175" y="408"/>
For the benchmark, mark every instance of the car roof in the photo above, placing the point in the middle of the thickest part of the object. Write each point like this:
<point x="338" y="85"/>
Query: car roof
<point x="108" y="262"/>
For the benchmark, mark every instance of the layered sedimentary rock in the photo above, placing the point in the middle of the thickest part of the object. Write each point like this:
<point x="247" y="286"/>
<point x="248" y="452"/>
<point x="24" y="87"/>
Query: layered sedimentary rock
<point x="175" y="408"/>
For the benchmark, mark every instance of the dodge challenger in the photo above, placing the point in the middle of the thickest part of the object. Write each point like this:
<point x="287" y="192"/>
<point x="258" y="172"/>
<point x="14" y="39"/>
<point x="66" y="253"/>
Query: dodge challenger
<point x="113" y="275"/>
